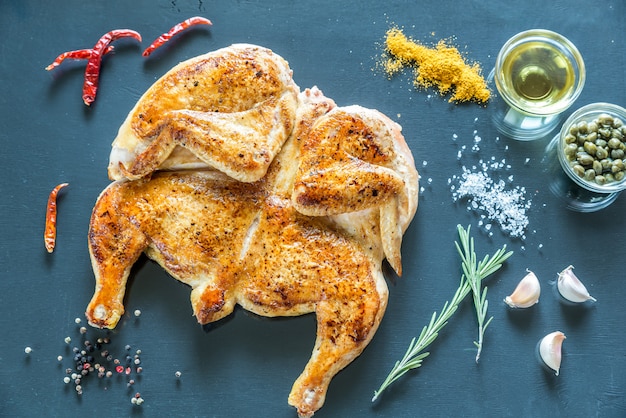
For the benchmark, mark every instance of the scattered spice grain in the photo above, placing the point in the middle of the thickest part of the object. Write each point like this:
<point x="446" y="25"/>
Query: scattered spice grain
<point x="442" y="67"/>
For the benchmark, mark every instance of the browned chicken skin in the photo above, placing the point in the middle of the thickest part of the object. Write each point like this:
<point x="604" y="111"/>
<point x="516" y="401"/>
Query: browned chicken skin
<point x="309" y="236"/>
<point x="232" y="109"/>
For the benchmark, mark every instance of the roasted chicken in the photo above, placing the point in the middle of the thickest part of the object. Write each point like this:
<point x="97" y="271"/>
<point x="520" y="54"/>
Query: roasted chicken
<point x="308" y="233"/>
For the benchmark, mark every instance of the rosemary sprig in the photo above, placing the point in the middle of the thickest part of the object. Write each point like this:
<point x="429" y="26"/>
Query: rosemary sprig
<point x="415" y="353"/>
<point x="474" y="274"/>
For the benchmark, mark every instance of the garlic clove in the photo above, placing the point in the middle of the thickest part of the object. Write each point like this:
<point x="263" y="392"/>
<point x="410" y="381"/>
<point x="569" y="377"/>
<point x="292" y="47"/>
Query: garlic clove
<point x="571" y="288"/>
<point x="526" y="294"/>
<point x="550" y="350"/>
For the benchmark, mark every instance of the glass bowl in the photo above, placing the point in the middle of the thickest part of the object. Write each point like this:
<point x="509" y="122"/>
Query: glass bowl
<point x="592" y="147"/>
<point x="539" y="51"/>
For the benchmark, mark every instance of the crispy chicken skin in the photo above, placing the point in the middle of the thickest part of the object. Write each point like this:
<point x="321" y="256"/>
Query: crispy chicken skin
<point x="355" y="158"/>
<point x="308" y="236"/>
<point x="230" y="109"/>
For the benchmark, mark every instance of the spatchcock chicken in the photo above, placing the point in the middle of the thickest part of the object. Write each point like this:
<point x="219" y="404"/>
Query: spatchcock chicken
<point x="257" y="194"/>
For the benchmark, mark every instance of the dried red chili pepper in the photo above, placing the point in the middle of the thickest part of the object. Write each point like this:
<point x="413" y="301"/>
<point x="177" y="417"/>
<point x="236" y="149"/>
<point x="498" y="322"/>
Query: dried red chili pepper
<point x="78" y="54"/>
<point x="196" y="20"/>
<point x="92" y="72"/>
<point x="50" y="233"/>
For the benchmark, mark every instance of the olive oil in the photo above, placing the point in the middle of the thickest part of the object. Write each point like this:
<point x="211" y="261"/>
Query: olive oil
<point x="537" y="75"/>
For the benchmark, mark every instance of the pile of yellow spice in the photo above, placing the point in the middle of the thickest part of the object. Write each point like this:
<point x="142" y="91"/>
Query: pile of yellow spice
<point x="441" y="67"/>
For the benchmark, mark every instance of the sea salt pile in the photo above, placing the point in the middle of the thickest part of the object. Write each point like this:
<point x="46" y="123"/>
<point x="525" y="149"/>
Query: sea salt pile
<point x="505" y="207"/>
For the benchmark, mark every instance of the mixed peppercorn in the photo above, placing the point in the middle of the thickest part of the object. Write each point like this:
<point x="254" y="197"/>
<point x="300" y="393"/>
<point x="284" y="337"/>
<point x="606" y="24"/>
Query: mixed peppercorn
<point x="96" y="358"/>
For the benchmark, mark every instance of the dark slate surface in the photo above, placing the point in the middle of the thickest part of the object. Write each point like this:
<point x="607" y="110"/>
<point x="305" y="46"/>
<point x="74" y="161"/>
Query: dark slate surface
<point x="246" y="368"/>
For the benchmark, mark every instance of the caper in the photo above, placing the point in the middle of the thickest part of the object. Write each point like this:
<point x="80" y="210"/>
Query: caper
<point x="602" y="153"/>
<point x="597" y="167"/>
<point x="601" y="142"/>
<point x="601" y="180"/>
<point x="570" y="150"/>
<point x="605" y="119"/>
<point x="582" y="127"/>
<point x="606" y="164"/>
<point x="617" y="165"/>
<point x="614" y="143"/>
<point x="605" y="132"/>
<point x="590" y="148"/>
<point x="617" y="153"/>
<point x="573" y="130"/>
<point x="592" y="136"/>
<point x="617" y="123"/>
<point x="617" y="134"/>
<point x="579" y="170"/>
<point x="619" y="176"/>
<point x="589" y="174"/>
<point x="609" y="178"/>
<point x="592" y="126"/>
<point x="570" y="139"/>
<point x="584" y="158"/>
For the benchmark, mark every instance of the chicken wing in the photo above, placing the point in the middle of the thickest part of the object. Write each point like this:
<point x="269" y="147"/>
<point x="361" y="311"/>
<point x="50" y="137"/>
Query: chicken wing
<point x="355" y="158"/>
<point x="231" y="110"/>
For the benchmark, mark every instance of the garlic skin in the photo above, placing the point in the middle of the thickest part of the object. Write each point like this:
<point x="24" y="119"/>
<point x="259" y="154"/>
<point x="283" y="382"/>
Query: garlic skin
<point x="550" y="350"/>
<point x="571" y="288"/>
<point x="526" y="294"/>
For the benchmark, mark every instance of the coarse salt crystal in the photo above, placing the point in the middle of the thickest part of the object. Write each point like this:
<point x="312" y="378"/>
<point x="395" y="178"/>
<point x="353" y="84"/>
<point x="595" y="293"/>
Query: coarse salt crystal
<point x="505" y="207"/>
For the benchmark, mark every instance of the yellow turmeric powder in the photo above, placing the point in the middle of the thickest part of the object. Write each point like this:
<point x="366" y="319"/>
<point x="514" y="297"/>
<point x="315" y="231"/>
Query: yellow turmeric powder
<point x="442" y="67"/>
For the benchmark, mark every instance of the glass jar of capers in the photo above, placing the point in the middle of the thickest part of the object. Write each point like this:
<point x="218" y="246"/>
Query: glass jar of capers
<point x="592" y="147"/>
<point x="586" y="143"/>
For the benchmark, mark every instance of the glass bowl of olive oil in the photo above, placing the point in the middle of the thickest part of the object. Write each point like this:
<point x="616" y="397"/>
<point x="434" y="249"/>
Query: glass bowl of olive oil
<point x="585" y="162"/>
<point x="538" y="75"/>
